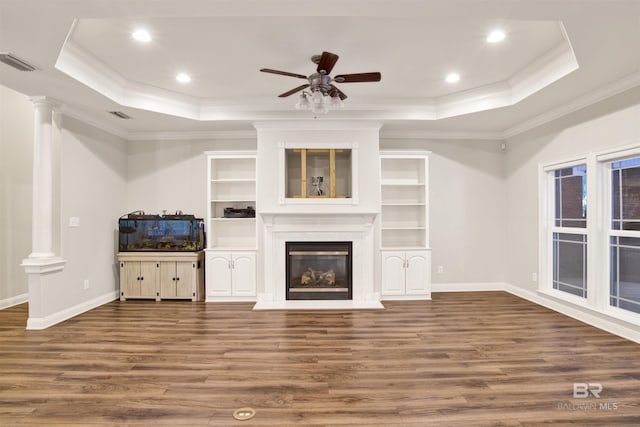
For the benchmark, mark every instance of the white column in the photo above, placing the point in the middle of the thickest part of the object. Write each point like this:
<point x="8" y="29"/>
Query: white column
<point x="42" y="215"/>
<point x="43" y="259"/>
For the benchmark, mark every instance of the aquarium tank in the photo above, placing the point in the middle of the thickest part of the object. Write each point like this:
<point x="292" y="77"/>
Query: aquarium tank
<point x="143" y="232"/>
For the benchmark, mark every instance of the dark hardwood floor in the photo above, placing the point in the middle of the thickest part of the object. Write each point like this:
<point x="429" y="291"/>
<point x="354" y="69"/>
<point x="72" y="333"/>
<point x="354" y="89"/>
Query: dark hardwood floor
<point x="463" y="359"/>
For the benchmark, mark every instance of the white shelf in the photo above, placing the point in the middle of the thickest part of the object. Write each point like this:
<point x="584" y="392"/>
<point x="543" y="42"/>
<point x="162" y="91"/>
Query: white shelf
<point x="401" y="183"/>
<point x="231" y="180"/>
<point x="403" y="200"/>
<point x="231" y="184"/>
<point x="403" y="247"/>
<point x="232" y="219"/>
<point x="392" y="227"/>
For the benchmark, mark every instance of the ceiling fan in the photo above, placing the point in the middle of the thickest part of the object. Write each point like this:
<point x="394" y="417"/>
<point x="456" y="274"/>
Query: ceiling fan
<point x="321" y="84"/>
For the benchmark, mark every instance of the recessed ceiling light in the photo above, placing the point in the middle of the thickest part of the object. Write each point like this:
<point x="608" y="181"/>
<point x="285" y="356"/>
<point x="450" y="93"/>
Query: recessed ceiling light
<point x="495" y="36"/>
<point x="141" y="36"/>
<point x="452" y="77"/>
<point x="183" y="78"/>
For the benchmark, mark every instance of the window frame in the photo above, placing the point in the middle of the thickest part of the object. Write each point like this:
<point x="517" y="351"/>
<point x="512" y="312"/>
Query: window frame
<point x="604" y="161"/>
<point x="548" y="228"/>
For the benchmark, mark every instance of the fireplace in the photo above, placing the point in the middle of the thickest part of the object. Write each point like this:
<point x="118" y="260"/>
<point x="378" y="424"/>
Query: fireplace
<point x="318" y="270"/>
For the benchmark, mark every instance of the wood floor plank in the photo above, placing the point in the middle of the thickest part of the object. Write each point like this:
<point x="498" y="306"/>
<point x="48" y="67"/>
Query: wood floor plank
<point x="462" y="359"/>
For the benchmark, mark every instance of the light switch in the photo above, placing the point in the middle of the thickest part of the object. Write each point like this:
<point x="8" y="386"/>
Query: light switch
<point x="74" y="221"/>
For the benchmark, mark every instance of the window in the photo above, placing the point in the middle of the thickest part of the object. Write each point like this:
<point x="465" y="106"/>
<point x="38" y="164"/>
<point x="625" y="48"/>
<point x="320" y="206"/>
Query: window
<point x="624" y="235"/>
<point x="569" y="231"/>
<point x="590" y="245"/>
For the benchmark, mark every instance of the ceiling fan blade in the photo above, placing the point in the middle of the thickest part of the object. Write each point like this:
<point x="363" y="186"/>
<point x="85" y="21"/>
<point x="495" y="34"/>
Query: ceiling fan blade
<point x="327" y="61"/>
<point x="340" y="93"/>
<point x="359" y="77"/>
<point x="283" y="73"/>
<point x="292" y="91"/>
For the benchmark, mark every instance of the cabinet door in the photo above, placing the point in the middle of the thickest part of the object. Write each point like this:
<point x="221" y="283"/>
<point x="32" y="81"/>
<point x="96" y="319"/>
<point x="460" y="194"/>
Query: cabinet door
<point x="417" y="272"/>
<point x="129" y="279"/>
<point x="185" y="278"/>
<point x="244" y="274"/>
<point x="393" y="273"/>
<point x="168" y="279"/>
<point x="218" y="274"/>
<point x="149" y="279"/>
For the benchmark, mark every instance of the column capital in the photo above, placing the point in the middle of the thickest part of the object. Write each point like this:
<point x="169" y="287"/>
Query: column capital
<point x="41" y="100"/>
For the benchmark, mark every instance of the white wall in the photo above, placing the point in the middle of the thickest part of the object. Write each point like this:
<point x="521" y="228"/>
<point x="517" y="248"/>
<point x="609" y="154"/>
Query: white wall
<point x="172" y="175"/>
<point x="608" y="124"/>
<point x="93" y="188"/>
<point x="16" y="165"/>
<point x="467" y="208"/>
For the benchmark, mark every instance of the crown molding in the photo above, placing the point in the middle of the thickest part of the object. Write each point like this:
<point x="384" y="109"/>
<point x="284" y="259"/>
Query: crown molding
<point x="615" y="88"/>
<point x="441" y="135"/>
<point x="92" y="121"/>
<point x="191" y="136"/>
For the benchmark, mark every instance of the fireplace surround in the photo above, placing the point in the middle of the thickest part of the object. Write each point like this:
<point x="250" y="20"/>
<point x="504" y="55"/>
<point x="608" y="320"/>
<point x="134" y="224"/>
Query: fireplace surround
<point x="278" y="228"/>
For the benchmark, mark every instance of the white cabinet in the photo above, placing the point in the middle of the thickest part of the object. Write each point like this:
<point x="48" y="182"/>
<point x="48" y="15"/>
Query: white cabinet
<point x="231" y="276"/>
<point x="161" y="275"/>
<point x="406" y="274"/>
<point x="231" y="185"/>
<point x="138" y="279"/>
<point x="404" y="225"/>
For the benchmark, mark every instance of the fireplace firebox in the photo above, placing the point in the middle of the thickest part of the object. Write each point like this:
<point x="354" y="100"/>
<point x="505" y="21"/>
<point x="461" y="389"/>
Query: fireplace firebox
<point x="319" y="270"/>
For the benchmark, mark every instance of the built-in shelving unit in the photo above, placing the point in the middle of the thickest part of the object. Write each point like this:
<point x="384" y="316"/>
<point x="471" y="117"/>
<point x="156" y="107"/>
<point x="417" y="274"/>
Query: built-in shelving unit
<point x="404" y="197"/>
<point x="405" y="256"/>
<point x="231" y="184"/>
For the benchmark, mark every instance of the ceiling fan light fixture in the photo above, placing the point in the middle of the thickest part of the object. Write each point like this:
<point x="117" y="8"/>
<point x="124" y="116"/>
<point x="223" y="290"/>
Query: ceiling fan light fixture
<point x="317" y="97"/>
<point x="336" y="102"/>
<point x="303" y="102"/>
<point x="321" y="95"/>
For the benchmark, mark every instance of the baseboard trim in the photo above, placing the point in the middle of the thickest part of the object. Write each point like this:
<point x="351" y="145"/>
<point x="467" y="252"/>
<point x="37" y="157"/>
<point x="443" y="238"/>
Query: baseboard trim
<point x="468" y="287"/>
<point x="595" y="319"/>
<point x="55" y="318"/>
<point x="10" y="302"/>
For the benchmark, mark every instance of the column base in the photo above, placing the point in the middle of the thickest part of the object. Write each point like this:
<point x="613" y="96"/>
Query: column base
<point x="43" y="265"/>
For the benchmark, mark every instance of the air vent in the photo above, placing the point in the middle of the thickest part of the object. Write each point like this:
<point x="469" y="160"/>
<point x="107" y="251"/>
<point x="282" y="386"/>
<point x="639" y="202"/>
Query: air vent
<point x="13" y="61"/>
<point x="120" y="114"/>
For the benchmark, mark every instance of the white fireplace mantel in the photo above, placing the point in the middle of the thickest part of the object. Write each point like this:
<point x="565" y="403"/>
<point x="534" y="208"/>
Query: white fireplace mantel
<point x="354" y="226"/>
<point x="332" y="219"/>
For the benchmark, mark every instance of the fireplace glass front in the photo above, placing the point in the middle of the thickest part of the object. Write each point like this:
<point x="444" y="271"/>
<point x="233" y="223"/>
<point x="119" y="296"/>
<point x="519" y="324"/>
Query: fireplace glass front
<point x="319" y="270"/>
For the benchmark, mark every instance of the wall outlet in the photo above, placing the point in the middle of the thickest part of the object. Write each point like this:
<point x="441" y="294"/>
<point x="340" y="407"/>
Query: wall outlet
<point x="534" y="277"/>
<point x="86" y="283"/>
<point x="440" y="269"/>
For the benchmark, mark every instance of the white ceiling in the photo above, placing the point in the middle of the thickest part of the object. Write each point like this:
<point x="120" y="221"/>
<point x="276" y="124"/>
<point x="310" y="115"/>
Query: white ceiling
<point x="558" y="56"/>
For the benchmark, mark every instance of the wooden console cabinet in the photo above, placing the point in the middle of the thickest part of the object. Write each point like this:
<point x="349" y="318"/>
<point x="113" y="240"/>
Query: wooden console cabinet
<point x="161" y="275"/>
